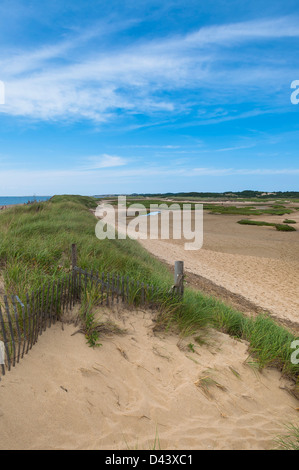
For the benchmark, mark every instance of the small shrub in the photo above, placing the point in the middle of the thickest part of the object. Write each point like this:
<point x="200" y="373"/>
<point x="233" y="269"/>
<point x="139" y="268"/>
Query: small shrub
<point x="289" y="221"/>
<point x="284" y="228"/>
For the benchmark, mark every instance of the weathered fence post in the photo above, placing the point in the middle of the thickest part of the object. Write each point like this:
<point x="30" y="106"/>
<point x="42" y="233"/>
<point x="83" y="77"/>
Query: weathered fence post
<point x="179" y="277"/>
<point x="74" y="256"/>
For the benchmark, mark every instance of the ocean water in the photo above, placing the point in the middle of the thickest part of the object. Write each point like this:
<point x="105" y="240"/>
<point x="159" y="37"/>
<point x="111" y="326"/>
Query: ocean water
<point x="151" y="213"/>
<point x="10" y="200"/>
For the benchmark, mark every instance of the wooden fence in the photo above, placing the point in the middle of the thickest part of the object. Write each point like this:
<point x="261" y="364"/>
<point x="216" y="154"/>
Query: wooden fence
<point x="22" y="321"/>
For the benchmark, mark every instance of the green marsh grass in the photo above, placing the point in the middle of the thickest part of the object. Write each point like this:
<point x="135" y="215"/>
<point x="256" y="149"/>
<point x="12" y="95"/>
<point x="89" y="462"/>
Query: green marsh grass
<point x="248" y="210"/>
<point x="289" y="221"/>
<point x="259" y="223"/>
<point x="284" y="228"/>
<point x="213" y="208"/>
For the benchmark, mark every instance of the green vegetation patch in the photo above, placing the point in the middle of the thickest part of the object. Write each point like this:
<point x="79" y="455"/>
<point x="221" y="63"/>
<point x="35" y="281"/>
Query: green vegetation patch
<point x="213" y="208"/>
<point x="289" y="221"/>
<point x="279" y="227"/>
<point x="35" y="246"/>
<point x="86" y="201"/>
<point x="248" y="210"/>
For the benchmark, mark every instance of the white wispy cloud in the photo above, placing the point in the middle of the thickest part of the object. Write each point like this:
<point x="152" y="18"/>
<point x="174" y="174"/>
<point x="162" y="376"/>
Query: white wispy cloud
<point x="240" y="147"/>
<point x="108" y="172"/>
<point x="104" y="161"/>
<point x="243" y="171"/>
<point x="59" y="81"/>
<point x="162" y="147"/>
<point x="243" y="31"/>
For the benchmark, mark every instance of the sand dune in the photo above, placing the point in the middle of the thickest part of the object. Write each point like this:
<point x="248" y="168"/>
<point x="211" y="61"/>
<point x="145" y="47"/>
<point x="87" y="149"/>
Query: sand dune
<point x="139" y="386"/>
<point x="148" y="389"/>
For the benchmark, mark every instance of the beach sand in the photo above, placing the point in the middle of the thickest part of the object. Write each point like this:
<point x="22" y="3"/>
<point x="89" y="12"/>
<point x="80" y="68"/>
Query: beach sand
<point x="142" y="390"/>
<point x="253" y="268"/>
<point x="258" y="264"/>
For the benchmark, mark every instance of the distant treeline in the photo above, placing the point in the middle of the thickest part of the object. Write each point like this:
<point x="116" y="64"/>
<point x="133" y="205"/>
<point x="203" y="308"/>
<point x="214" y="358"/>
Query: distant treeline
<point x="227" y="194"/>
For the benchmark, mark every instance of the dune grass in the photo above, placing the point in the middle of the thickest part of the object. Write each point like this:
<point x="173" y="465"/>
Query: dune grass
<point x="35" y="246"/>
<point x="290" y="440"/>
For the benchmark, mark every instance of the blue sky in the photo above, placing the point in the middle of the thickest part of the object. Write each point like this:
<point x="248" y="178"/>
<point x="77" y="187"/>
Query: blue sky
<point x="113" y="97"/>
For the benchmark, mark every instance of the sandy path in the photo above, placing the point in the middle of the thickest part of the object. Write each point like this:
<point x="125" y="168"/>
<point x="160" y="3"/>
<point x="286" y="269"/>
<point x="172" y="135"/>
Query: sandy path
<point x="65" y="395"/>
<point x="269" y="283"/>
<point x="259" y="264"/>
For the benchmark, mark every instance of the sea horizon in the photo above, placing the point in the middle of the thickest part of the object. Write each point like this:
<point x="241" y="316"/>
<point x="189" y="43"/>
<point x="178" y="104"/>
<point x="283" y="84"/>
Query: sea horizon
<point x="13" y="200"/>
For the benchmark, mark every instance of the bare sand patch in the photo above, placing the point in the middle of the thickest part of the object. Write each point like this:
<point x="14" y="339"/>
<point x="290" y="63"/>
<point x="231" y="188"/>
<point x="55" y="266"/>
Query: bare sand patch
<point x="258" y="263"/>
<point x="259" y="266"/>
<point x="139" y="386"/>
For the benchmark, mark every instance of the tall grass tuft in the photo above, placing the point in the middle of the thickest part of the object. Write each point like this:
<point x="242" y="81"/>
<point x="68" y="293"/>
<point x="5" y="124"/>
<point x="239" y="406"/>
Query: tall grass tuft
<point x="289" y="441"/>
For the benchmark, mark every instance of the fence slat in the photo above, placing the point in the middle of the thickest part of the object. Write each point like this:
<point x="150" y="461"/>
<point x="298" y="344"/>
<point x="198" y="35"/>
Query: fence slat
<point x="91" y="279"/>
<point x="36" y="309"/>
<point x="71" y="291"/>
<point x="98" y="281"/>
<point x="117" y="289"/>
<point x="11" y="330"/>
<point x="123" y="288"/>
<point x="85" y="279"/>
<point x="75" y="287"/>
<point x="64" y="295"/>
<point x="51" y="303"/>
<point x="58" y="287"/>
<point x="48" y="304"/>
<point x="24" y="325"/>
<point x="80" y="285"/>
<point x="61" y="295"/>
<point x="33" y="320"/>
<point x="128" y="289"/>
<point x="113" y="287"/>
<point x="38" y="299"/>
<point x="29" y="322"/>
<point x="5" y="342"/>
<point x="108" y="288"/>
<point x="42" y="310"/>
<point x="17" y="326"/>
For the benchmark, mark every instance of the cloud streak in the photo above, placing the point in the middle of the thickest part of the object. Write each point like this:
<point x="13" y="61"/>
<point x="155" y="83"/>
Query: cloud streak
<point x="58" y="81"/>
<point x="105" y="161"/>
